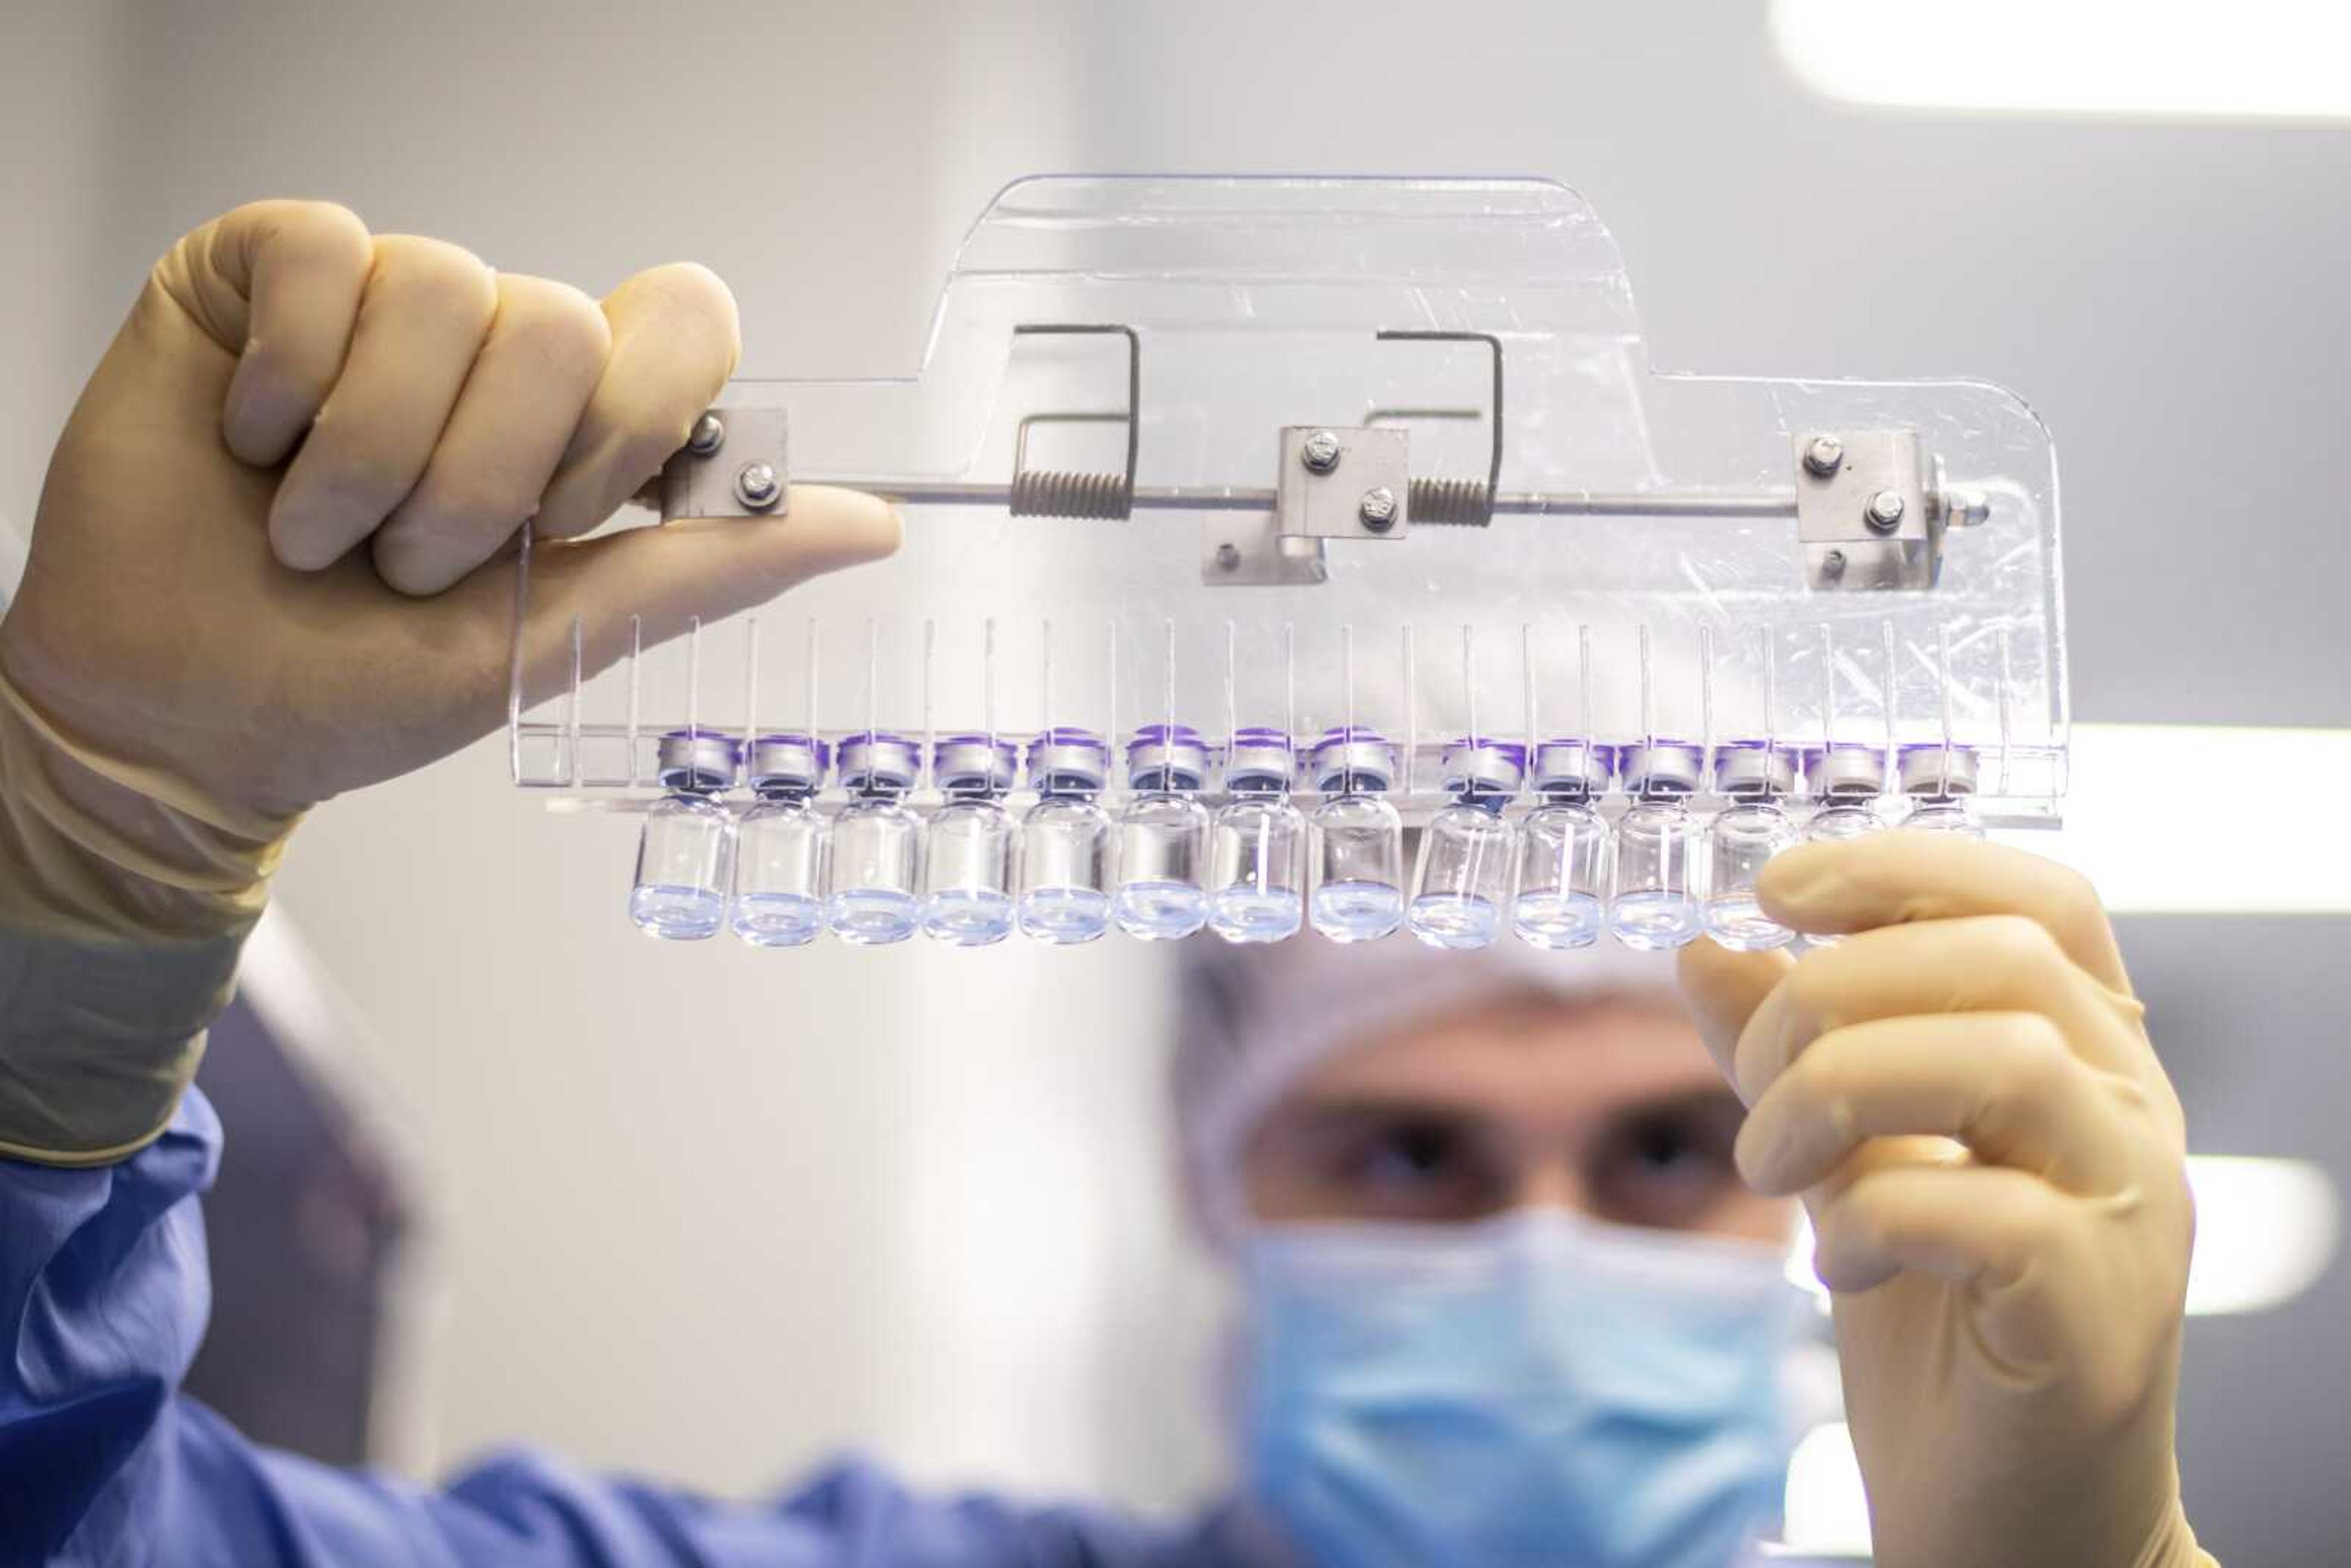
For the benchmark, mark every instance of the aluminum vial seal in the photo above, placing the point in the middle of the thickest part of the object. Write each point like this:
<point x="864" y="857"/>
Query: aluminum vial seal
<point x="697" y="761"/>
<point x="1259" y="761"/>
<point x="878" y="762"/>
<point x="1753" y="770"/>
<point x="975" y="765"/>
<point x="1068" y="761"/>
<point x="1660" y="768"/>
<point x="1936" y="771"/>
<point x="1359" y="761"/>
<point x="788" y="763"/>
<point x="1480" y="765"/>
<point x="1167" y="756"/>
<point x="1845" y="770"/>
<point x="1569" y="766"/>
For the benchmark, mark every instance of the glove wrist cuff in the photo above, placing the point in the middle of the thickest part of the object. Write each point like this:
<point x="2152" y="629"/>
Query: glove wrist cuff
<point x="105" y="849"/>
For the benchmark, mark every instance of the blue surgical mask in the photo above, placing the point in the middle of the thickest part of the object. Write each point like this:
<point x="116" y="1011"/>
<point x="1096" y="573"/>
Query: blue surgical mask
<point x="1532" y="1389"/>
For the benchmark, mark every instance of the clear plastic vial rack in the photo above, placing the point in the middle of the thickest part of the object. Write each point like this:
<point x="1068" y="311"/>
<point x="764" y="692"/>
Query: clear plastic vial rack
<point x="1278" y="508"/>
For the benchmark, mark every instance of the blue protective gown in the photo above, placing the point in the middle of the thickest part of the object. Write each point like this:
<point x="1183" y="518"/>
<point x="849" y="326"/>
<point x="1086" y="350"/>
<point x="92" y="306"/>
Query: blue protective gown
<point x="103" y="1297"/>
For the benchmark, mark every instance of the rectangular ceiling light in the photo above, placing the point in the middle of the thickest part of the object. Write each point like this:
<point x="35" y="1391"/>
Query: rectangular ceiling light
<point x="2205" y="819"/>
<point x="2246" y="59"/>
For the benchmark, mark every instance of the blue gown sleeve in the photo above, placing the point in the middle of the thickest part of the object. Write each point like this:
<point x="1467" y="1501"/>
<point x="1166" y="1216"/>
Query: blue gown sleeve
<point x="103" y="1297"/>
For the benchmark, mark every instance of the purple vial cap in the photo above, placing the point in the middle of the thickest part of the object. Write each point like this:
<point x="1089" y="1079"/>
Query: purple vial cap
<point x="1357" y="756"/>
<point x="1748" y="768"/>
<point x="1660" y="766"/>
<point x="789" y="757"/>
<point x="878" y="757"/>
<point x="1571" y="764"/>
<point x="1845" y="770"/>
<point x="1067" y="758"/>
<point x="1929" y="767"/>
<point x="1259" y="758"/>
<point x="696" y="759"/>
<point x="1173" y="753"/>
<point x="1484" y="763"/>
<point x="975" y="761"/>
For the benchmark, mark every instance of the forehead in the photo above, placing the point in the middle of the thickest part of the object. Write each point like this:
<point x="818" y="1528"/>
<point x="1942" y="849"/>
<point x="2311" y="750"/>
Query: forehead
<point x="1521" y="1055"/>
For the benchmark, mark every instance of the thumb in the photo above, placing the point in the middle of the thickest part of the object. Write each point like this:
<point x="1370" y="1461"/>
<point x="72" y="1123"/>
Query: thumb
<point x="1723" y="989"/>
<point x="670" y="575"/>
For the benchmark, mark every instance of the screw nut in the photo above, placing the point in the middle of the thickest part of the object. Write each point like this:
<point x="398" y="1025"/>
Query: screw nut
<point x="1833" y="566"/>
<point x="756" y="487"/>
<point x="1884" y="513"/>
<point x="1229" y="558"/>
<point x="708" y="435"/>
<point x="1319" y="451"/>
<point x="1378" y="509"/>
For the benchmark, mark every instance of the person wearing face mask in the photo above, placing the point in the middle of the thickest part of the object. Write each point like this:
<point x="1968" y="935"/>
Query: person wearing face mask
<point x="1504" y="1298"/>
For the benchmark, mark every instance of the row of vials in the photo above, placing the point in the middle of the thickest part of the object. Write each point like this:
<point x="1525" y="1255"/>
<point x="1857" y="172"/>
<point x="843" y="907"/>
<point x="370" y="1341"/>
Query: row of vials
<point x="1556" y="874"/>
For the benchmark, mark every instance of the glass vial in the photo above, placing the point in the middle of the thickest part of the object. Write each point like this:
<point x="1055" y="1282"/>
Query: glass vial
<point x="1939" y="780"/>
<point x="968" y="853"/>
<point x="779" y="851"/>
<point x="1755" y="826"/>
<point x="685" y="854"/>
<point x="1257" y="843"/>
<point x="1653" y="905"/>
<point x="1357" y="838"/>
<point x="1065" y="840"/>
<point x="1845" y="778"/>
<point x="876" y="842"/>
<point x="1163" y="836"/>
<point x="1461" y="883"/>
<point x="1564" y="843"/>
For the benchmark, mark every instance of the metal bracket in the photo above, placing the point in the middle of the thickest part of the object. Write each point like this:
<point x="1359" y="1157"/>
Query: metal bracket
<point x="1867" y="513"/>
<point x="733" y="464"/>
<point x="1333" y="482"/>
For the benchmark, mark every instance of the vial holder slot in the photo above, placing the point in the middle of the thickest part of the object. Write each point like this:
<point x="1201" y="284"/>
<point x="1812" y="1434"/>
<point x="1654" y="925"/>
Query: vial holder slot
<point x="1249" y="460"/>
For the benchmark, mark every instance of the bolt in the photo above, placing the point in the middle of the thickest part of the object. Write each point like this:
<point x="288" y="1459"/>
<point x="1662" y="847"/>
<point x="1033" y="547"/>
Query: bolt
<point x="1319" y="451"/>
<point x="1833" y="566"/>
<point x="1885" y="513"/>
<point x="756" y="487"/>
<point x="1824" y="455"/>
<point x="1966" y="509"/>
<point x="1378" y="509"/>
<point x="709" y="432"/>
<point x="1229" y="558"/>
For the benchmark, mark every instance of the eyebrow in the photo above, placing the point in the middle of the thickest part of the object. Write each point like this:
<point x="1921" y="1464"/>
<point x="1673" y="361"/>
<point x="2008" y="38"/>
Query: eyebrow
<point x="1366" y="1105"/>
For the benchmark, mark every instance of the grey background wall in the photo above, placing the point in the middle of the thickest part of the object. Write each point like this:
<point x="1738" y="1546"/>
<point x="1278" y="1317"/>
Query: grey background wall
<point x="709" y="1216"/>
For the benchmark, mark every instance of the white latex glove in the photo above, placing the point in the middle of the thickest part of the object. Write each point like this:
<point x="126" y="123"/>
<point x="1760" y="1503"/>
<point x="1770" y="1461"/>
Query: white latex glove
<point x="266" y="569"/>
<point x="1965" y="1095"/>
<point x="260" y="558"/>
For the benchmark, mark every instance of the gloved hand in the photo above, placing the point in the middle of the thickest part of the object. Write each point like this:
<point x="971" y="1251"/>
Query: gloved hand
<point x="1995" y="1165"/>
<point x="265" y="570"/>
<point x="260" y="557"/>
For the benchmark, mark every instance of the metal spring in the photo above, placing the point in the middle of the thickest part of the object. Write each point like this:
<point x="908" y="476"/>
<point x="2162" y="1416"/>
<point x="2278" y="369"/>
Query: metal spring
<point x="1065" y="493"/>
<point x="1465" y="503"/>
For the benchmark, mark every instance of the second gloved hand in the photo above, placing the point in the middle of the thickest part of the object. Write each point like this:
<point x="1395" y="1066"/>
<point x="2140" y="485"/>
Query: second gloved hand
<point x="1994" y="1161"/>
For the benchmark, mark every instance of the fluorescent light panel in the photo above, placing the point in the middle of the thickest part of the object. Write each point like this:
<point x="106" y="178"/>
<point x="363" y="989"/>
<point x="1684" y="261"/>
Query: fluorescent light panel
<point x="2265" y="1230"/>
<point x="2247" y="59"/>
<point x="2205" y="819"/>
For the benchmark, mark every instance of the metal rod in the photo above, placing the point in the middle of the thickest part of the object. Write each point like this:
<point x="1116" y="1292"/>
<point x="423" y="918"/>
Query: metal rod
<point x="1744" y="505"/>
